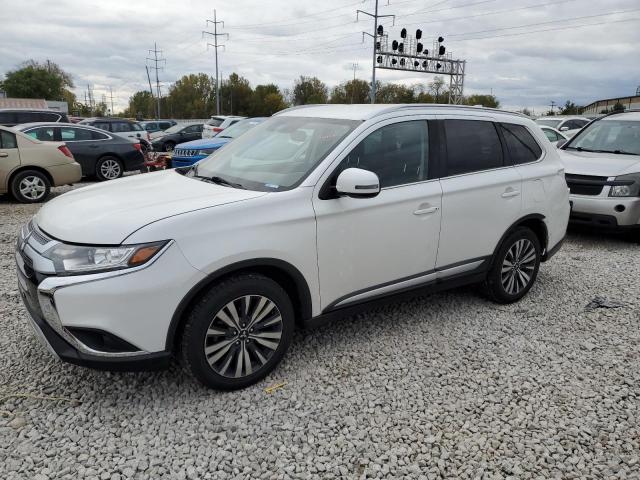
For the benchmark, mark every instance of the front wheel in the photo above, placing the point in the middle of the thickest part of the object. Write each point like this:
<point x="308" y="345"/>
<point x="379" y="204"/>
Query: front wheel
<point x="515" y="267"/>
<point x="238" y="332"/>
<point x="30" y="186"/>
<point x="109" y="168"/>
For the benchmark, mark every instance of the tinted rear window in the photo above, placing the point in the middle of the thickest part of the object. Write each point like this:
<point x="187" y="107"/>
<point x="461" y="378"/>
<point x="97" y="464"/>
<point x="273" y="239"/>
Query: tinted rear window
<point x="521" y="145"/>
<point x="7" y="118"/>
<point x="215" y="122"/>
<point x="472" y="145"/>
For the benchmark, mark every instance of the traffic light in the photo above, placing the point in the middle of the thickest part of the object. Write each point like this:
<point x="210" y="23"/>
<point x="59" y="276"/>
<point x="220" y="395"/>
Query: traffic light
<point x="380" y="29"/>
<point x="419" y="47"/>
<point x="418" y="34"/>
<point x="394" y="45"/>
<point x="403" y="33"/>
<point x="441" y="50"/>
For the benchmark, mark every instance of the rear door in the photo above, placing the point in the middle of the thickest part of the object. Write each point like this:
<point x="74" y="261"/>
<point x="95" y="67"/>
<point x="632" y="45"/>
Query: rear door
<point x="481" y="192"/>
<point x="9" y="157"/>
<point x="84" y="148"/>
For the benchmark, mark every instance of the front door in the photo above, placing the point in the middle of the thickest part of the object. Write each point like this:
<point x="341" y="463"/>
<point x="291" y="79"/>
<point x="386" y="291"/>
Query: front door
<point x="369" y="247"/>
<point x="84" y="148"/>
<point x="9" y="156"/>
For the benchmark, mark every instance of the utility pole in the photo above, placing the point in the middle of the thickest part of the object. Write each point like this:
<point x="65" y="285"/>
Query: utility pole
<point x="111" y="94"/>
<point x="155" y="59"/>
<point x="553" y="104"/>
<point x="353" y="84"/>
<point x="375" y="17"/>
<point x="215" y="45"/>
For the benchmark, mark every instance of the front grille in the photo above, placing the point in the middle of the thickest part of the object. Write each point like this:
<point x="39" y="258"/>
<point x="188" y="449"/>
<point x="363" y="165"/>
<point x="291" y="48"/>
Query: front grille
<point x="585" y="184"/>
<point x="40" y="237"/>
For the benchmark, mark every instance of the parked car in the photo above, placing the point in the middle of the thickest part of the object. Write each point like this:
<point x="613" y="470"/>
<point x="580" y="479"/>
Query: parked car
<point x="217" y="124"/>
<point x="121" y="127"/>
<point x="569" y="126"/>
<point x="186" y="154"/>
<point x="167" y="140"/>
<point x="554" y="136"/>
<point x="100" y="154"/>
<point x="29" y="168"/>
<point x="152" y="126"/>
<point x="10" y="117"/>
<point x="603" y="172"/>
<point x="309" y="215"/>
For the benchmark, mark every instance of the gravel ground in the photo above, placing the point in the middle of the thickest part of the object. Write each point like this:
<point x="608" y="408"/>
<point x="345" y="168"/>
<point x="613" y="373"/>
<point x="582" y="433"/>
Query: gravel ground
<point x="442" y="386"/>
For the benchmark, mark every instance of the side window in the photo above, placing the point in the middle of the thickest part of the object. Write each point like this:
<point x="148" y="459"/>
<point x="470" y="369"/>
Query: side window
<point x="472" y="145"/>
<point x="150" y="126"/>
<point x="44" y="134"/>
<point x="120" y="127"/>
<point x="28" y="117"/>
<point x="397" y="153"/>
<point x="134" y="127"/>
<point x="7" y="118"/>
<point x="521" y="145"/>
<point x="74" y="134"/>
<point x="193" y="129"/>
<point x="164" y="125"/>
<point x="101" y="125"/>
<point x="98" y="136"/>
<point x="50" y="117"/>
<point x="8" y="140"/>
<point x="551" y="135"/>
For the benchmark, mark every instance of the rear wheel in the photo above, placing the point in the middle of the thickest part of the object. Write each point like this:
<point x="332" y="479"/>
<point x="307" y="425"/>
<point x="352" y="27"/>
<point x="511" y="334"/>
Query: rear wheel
<point x="109" y="168"/>
<point x="515" y="267"/>
<point x="30" y="186"/>
<point x="238" y="332"/>
<point x="169" y="146"/>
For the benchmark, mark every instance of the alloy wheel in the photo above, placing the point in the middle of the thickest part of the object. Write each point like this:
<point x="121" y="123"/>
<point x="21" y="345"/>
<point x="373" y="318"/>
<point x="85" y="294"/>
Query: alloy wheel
<point x="518" y="266"/>
<point x="110" y="169"/>
<point x="243" y="335"/>
<point x="32" y="187"/>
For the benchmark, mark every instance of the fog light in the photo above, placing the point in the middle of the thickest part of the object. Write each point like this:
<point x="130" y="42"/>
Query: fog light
<point x="619" y="208"/>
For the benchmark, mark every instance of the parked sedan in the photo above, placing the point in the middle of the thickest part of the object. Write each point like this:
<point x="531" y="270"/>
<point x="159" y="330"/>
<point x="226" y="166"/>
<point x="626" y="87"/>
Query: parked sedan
<point x="186" y="154"/>
<point x="153" y="126"/>
<point x="121" y="127"/>
<point x="602" y="164"/>
<point x="554" y="136"/>
<point x="29" y="168"/>
<point x="167" y="140"/>
<point x="101" y="154"/>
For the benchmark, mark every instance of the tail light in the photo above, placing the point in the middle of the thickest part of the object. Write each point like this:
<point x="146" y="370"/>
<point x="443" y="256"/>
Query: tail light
<point x="217" y="129"/>
<point x="137" y="146"/>
<point x="64" y="149"/>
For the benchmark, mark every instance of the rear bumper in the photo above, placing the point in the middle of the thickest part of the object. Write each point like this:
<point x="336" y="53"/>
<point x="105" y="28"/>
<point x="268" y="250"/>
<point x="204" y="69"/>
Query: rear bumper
<point x="65" y="174"/>
<point x="133" y="162"/>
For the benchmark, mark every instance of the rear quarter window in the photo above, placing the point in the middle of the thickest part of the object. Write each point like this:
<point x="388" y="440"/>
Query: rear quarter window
<point x="521" y="145"/>
<point x="7" y="140"/>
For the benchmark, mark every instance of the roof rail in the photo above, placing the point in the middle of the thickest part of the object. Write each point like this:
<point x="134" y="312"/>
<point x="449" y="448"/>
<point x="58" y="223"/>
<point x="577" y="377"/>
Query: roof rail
<point x="448" y="105"/>
<point x="298" y="107"/>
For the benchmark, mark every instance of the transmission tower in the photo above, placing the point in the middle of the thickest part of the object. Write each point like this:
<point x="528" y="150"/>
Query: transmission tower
<point x="375" y="17"/>
<point x="157" y="60"/>
<point x="215" y="45"/>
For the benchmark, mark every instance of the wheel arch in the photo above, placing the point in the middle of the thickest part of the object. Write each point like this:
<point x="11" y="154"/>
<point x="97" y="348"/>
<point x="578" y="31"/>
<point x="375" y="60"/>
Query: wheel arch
<point x="23" y="168"/>
<point x="535" y="222"/>
<point x="285" y="274"/>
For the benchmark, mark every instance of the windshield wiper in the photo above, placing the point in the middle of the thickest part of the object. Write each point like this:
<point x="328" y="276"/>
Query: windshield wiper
<point x="619" y="152"/>
<point x="224" y="181"/>
<point x="581" y="149"/>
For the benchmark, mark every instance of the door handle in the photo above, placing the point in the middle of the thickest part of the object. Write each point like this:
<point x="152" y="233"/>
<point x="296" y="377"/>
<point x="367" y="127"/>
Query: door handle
<point x="4" y="154"/>
<point x="425" y="211"/>
<point x="510" y="193"/>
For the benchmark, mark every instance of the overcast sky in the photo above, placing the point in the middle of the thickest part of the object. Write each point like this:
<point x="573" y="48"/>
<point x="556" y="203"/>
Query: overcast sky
<point x="527" y="52"/>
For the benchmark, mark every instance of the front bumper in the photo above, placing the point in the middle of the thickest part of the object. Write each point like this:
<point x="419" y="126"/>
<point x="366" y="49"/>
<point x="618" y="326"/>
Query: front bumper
<point x="185" y="161"/>
<point x="117" y="320"/>
<point x="605" y="212"/>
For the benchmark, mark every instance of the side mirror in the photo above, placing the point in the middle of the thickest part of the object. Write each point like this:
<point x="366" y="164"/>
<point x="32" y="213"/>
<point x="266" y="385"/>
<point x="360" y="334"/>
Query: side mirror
<point x="564" y="129"/>
<point x="560" y="142"/>
<point x="358" y="183"/>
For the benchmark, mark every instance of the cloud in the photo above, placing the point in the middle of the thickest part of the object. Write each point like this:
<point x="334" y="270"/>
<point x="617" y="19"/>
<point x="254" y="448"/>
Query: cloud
<point x="105" y="44"/>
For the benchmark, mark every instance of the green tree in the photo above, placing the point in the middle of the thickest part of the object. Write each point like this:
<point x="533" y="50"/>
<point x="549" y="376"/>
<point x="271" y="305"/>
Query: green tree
<point x="570" y="108"/>
<point x="489" y="101"/>
<point x="38" y="80"/>
<point x="527" y="112"/>
<point x="395" y="93"/>
<point x="309" y="90"/>
<point x="235" y="95"/>
<point x="353" y="91"/>
<point x="192" y="96"/>
<point x="266" y="100"/>
<point x="618" y="107"/>
<point x="141" y="105"/>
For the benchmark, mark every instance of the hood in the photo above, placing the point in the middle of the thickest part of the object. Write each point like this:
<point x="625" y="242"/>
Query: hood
<point x="107" y="213"/>
<point x="599" y="164"/>
<point x="205" y="143"/>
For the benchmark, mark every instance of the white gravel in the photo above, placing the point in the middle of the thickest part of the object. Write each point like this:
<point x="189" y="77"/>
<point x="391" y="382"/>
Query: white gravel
<point x="443" y="386"/>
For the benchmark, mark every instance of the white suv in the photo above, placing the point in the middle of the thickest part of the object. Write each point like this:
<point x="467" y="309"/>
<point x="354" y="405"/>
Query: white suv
<point x="309" y="215"/>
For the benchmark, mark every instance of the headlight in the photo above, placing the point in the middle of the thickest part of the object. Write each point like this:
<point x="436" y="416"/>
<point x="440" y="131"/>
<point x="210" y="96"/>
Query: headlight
<point x="630" y="186"/>
<point x="74" y="259"/>
<point x="208" y="151"/>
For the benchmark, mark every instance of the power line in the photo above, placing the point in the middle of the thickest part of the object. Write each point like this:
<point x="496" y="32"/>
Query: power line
<point x="155" y="59"/>
<point x="215" y="45"/>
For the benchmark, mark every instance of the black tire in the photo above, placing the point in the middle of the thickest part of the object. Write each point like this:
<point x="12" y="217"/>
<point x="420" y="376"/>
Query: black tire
<point x="197" y="336"/>
<point x="108" y="168"/>
<point x="498" y="286"/>
<point x="30" y="186"/>
<point x="168" y="146"/>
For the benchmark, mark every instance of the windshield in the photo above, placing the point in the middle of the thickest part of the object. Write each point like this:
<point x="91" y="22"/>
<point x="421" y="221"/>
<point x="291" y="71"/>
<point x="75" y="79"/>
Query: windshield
<point x="613" y="136"/>
<point x="174" y="129"/>
<point x="238" y="129"/>
<point x="549" y="123"/>
<point x="277" y="154"/>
